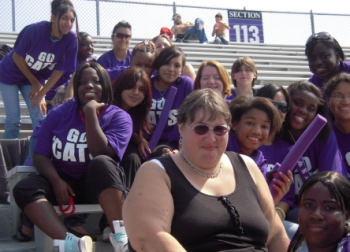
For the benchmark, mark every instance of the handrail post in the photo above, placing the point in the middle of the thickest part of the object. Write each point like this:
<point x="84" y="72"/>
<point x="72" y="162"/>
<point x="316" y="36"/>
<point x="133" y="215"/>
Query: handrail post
<point x="98" y="17"/>
<point x="13" y="16"/>
<point x="312" y="22"/>
<point x="174" y="8"/>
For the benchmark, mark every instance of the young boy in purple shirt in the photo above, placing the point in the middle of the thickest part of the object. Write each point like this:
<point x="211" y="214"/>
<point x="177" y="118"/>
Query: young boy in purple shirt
<point x="43" y="52"/>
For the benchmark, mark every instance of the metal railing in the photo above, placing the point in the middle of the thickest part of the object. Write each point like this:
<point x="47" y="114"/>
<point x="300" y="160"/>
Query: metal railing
<point x="98" y="17"/>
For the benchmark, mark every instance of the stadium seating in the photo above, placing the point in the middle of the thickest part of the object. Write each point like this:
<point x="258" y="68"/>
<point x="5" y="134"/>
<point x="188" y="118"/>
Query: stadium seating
<point x="282" y="64"/>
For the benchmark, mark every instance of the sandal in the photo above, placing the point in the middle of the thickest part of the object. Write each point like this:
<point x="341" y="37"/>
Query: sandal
<point x="22" y="237"/>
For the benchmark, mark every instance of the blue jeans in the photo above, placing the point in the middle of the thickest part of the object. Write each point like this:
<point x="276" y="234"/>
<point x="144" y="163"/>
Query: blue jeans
<point x="12" y="108"/>
<point x="197" y="31"/>
<point x="220" y="39"/>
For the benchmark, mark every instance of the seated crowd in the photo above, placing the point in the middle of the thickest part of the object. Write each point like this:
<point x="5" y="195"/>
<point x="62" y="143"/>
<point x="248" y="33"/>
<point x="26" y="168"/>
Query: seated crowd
<point x="187" y="160"/>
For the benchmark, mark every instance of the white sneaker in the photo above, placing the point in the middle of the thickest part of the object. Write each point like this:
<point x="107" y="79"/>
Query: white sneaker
<point x="119" y="239"/>
<point x="73" y="243"/>
<point x="85" y="244"/>
<point x="105" y="234"/>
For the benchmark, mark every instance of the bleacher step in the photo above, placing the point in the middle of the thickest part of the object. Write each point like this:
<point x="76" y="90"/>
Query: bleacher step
<point x="8" y="244"/>
<point x="11" y="245"/>
<point x="22" y="133"/>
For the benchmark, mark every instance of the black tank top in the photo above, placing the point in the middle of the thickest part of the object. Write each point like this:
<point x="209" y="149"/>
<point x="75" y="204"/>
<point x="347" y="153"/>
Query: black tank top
<point x="201" y="222"/>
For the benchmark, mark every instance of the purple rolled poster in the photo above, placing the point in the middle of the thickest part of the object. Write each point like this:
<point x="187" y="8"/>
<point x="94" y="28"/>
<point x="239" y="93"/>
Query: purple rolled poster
<point x="303" y="142"/>
<point x="300" y="146"/>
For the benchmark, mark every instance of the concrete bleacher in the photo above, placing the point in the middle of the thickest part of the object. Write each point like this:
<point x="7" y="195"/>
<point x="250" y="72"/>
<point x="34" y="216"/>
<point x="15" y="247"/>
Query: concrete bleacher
<point x="282" y="64"/>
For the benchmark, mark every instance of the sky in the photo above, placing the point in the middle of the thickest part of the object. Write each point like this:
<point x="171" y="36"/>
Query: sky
<point x="335" y="6"/>
<point x="290" y="29"/>
<point x="284" y="28"/>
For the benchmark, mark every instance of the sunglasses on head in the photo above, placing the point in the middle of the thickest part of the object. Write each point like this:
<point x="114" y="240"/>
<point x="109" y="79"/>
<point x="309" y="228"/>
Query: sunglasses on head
<point x="282" y="106"/>
<point x="202" y="129"/>
<point x="320" y="36"/>
<point x="122" y="35"/>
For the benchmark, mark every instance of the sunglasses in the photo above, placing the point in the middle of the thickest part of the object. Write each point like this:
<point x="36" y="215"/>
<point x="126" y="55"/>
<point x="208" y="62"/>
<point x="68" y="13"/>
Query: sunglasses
<point x="122" y="35"/>
<point x="282" y="106"/>
<point x="202" y="129"/>
<point x="146" y="45"/>
<point x="320" y="36"/>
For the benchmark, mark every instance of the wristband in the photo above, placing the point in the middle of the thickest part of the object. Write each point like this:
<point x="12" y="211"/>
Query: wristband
<point x="281" y="213"/>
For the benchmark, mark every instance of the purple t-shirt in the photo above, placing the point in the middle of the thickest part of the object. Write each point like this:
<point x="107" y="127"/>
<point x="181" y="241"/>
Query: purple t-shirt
<point x="343" y="140"/>
<point x="322" y="155"/>
<point x="41" y="53"/>
<point x="62" y="138"/>
<point x="344" y="67"/>
<point x="113" y="66"/>
<point x="257" y="155"/>
<point x="184" y="85"/>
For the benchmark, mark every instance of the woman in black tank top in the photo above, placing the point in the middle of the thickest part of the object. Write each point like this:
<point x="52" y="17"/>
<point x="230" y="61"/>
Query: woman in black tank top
<point x="201" y="198"/>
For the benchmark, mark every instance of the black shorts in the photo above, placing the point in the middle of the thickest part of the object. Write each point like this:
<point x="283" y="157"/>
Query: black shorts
<point x="102" y="173"/>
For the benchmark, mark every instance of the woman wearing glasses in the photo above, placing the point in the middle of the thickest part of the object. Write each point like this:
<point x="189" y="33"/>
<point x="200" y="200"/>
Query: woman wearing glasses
<point x="197" y="199"/>
<point x="326" y="58"/>
<point x="279" y="97"/>
<point x="337" y="96"/>
<point x="120" y="56"/>
<point x="323" y="153"/>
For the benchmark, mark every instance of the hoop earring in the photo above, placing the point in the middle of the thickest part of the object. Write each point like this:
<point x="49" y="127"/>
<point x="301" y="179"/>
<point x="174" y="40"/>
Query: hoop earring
<point x="347" y="226"/>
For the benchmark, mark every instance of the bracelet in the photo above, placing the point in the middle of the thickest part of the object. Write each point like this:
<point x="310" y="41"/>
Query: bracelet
<point x="281" y="213"/>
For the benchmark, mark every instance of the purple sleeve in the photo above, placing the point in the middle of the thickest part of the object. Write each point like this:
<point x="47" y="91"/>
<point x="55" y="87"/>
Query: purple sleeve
<point x="316" y="81"/>
<point x="119" y="131"/>
<point x="261" y="162"/>
<point x="103" y="59"/>
<point x="24" y="40"/>
<point x="44" y="134"/>
<point x="188" y="83"/>
<point x="330" y="156"/>
<point x="69" y="60"/>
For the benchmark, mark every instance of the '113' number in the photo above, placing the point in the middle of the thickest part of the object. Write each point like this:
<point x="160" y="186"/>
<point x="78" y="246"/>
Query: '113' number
<point x="248" y="34"/>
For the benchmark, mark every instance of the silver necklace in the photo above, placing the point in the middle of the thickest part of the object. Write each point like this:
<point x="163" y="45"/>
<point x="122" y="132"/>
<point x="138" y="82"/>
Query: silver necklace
<point x="291" y="135"/>
<point x="199" y="171"/>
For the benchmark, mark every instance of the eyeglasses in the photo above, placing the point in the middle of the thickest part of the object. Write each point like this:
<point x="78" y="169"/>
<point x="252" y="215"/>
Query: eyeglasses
<point x="122" y="35"/>
<point x="146" y="46"/>
<point x="340" y="97"/>
<point x="202" y="129"/>
<point x="282" y="106"/>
